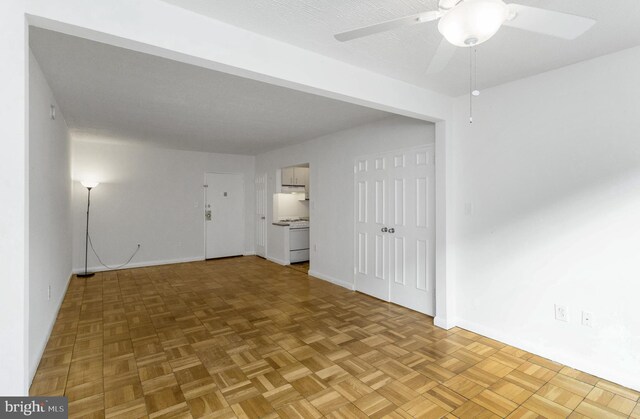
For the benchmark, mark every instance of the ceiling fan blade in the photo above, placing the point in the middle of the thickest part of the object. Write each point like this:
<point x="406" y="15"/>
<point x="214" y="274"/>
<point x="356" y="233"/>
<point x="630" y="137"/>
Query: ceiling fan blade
<point x="448" y="4"/>
<point x="442" y="57"/>
<point x="388" y="25"/>
<point x="548" y="22"/>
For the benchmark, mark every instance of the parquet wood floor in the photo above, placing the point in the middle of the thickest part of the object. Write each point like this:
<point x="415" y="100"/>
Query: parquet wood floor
<point x="245" y="338"/>
<point x="301" y="266"/>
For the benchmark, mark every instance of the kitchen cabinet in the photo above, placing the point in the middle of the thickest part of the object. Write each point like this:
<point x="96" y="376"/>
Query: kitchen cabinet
<point x="295" y="176"/>
<point x="301" y="176"/>
<point x="287" y="176"/>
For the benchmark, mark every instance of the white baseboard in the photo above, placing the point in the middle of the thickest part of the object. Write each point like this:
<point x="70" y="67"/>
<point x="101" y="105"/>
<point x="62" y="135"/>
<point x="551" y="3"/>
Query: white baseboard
<point x="573" y="360"/>
<point x="278" y="261"/>
<point x="32" y="373"/>
<point x="347" y="285"/>
<point x="252" y="253"/>
<point x="443" y="323"/>
<point x="141" y="264"/>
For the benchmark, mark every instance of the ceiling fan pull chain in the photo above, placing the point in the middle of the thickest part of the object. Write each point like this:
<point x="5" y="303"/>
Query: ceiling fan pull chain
<point x="473" y="80"/>
<point x="470" y="86"/>
<point x="475" y="91"/>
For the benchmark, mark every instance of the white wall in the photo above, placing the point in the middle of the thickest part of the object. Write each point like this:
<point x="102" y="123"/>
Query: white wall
<point x="550" y="173"/>
<point x="13" y="208"/>
<point x="49" y="212"/>
<point x="152" y="196"/>
<point x="331" y="159"/>
<point x="288" y="205"/>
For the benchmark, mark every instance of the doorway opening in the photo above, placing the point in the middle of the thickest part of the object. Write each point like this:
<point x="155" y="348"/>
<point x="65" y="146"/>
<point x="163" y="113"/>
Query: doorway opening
<point x="291" y="216"/>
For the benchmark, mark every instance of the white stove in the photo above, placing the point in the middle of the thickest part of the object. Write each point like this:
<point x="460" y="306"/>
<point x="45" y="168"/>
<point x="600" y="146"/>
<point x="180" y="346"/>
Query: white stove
<point x="295" y="222"/>
<point x="299" y="241"/>
<point x="299" y="224"/>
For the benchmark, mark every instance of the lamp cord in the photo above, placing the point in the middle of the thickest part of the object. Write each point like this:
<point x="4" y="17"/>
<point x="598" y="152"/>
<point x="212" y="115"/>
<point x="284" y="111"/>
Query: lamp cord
<point x="111" y="267"/>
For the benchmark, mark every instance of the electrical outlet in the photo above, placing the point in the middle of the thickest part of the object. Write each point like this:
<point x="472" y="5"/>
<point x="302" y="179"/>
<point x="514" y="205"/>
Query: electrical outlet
<point x="562" y="313"/>
<point x="587" y="318"/>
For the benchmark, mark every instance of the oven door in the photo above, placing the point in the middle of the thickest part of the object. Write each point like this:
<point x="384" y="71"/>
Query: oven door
<point x="298" y="239"/>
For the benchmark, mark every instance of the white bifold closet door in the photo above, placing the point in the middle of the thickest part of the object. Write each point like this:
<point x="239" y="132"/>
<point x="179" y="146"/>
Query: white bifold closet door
<point x="395" y="232"/>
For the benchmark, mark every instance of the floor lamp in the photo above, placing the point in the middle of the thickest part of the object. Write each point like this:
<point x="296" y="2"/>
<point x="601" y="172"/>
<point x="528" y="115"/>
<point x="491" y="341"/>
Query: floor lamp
<point x="89" y="185"/>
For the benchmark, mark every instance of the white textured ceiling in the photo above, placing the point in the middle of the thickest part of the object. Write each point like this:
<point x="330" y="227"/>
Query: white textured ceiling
<point x="118" y="94"/>
<point x="405" y="53"/>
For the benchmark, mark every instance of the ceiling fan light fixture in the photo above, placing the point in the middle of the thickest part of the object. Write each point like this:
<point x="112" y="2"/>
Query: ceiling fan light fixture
<point x="472" y="22"/>
<point x="89" y="183"/>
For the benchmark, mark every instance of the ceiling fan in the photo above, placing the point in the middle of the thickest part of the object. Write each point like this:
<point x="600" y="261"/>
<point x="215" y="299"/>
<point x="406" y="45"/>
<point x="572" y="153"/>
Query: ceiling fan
<point x="466" y="23"/>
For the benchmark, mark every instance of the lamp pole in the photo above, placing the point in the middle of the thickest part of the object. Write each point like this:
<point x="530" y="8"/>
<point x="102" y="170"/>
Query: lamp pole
<point x="89" y="186"/>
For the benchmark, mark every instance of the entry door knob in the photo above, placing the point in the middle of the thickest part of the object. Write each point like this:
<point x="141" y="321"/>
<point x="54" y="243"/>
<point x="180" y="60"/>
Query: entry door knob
<point x="392" y="230"/>
<point x="384" y="229"/>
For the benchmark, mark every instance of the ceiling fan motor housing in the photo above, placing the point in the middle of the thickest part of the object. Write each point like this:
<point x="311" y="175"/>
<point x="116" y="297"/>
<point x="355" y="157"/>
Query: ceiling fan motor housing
<point x="473" y="22"/>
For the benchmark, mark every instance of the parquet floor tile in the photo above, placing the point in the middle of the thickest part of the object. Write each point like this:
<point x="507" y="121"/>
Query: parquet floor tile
<point x="245" y="338"/>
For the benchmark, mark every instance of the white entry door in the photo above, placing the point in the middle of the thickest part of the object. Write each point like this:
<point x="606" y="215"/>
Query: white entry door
<point x="224" y="215"/>
<point x="395" y="217"/>
<point x="261" y="215"/>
